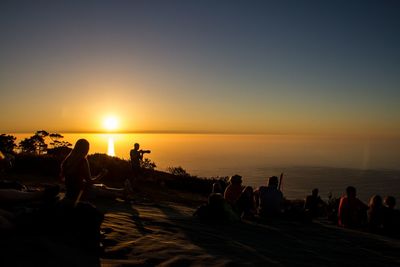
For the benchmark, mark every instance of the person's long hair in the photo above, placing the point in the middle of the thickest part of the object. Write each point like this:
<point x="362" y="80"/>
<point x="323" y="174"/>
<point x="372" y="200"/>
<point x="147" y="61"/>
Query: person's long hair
<point x="74" y="159"/>
<point x="375" y="202"/>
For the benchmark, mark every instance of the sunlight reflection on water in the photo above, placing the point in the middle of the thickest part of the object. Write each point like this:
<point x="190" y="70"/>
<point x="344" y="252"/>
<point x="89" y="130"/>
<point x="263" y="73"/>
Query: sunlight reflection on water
<point x="111" y="148"/>
<point x="257" y="157"/>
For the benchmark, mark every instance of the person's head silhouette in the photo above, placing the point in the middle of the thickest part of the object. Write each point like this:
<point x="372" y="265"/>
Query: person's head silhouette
<point x="390" y="202"/>
<point x="273" y="181"/>
<point x="315" y="192"/>
<point x="236" y="179"/>
<point x="351" y="192"/>
<point x="81" y="148"/>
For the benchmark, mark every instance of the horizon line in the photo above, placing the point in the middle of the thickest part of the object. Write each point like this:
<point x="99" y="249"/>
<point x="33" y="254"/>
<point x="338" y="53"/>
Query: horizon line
<point x="391" y="135"/>
<point x="153" y="132"/>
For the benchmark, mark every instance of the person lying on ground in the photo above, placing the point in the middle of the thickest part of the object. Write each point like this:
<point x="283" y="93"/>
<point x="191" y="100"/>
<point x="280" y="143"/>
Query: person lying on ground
<point x="14" y="201"/>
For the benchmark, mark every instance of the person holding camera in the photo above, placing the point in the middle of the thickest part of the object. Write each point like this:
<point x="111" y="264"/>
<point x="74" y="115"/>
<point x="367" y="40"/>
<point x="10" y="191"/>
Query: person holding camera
<point x="136" y="158"/>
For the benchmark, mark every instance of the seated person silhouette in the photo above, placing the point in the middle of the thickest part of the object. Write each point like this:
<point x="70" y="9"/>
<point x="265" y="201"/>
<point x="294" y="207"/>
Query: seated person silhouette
<point x="376" y="212"/>
<point x="11" y="197"/>
<point x="217" y="188"/>
<point x="352" y="212"/>
<point x="216" y="210"/>
<point x="16" y="198"/>
<point x="79" y="182"/>
<point x="269" y="198"/>
<point x="391" y="221"/>
<point x="314" y="205"/>
<point x="233" y="190"/>
<point x="245" y="205"/>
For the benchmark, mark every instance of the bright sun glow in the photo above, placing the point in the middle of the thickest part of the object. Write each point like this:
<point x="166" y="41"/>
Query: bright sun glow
<point x="110" y="123"/>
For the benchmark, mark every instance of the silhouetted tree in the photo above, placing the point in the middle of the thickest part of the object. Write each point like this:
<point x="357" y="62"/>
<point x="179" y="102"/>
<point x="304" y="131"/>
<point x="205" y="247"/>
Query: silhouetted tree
<point x="41" y="145"/>
<point x="27" y="145"/>
<point x="42" y="133"/>
<point x="34" y="144"/>
<point x="56" y="142"/>
<point x="7" y="143"/>
<point x="60" y="148"/>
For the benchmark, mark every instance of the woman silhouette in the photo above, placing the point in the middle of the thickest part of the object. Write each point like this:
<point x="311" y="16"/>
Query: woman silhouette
<point x="78" y="179"/>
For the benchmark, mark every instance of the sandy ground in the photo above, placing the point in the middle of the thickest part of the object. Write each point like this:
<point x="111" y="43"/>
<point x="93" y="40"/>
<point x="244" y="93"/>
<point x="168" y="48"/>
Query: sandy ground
<point x="167" y="235"/>
<point x="143" y="233"/>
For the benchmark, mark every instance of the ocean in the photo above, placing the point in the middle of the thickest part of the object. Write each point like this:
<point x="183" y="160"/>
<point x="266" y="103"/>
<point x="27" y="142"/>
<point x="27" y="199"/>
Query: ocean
<point x="329" y="163"/>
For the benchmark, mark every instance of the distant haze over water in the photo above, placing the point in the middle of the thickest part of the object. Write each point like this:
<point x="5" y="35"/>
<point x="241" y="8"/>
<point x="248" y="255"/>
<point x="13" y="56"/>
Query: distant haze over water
<point x="372" y="165"/>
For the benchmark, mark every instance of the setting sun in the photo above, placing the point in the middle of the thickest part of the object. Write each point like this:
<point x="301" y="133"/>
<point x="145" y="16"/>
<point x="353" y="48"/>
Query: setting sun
<point x="110" y="123"/>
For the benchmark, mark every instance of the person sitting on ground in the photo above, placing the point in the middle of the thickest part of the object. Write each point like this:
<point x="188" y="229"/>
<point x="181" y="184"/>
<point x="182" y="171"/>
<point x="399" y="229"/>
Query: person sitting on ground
<point x="11" y="198"/>
<point x="136" y="158"/>
<point x="16" y="195"/>
<point x="391" y="222"/>
<point x="376" y="214"/>
<point x="217" y="187"/>
<point x="352" y="212"/>
<point x="269" y="198"/>
<point x="233" y="190"/>
<point x="314" y="205"/>
<point x="216" y="210"/>
<point x="245" y="205"/>
<point x="79" y="182"/>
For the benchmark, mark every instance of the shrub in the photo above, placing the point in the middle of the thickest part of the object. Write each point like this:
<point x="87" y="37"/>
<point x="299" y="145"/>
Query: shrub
<point x="148" y="164"/>
<point x="178" y="171"/>
<point x="37" y="164"/>
<point x="118" y="169"/>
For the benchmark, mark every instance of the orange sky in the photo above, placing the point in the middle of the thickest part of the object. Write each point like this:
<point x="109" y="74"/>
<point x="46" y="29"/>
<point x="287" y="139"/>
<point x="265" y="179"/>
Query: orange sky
<point x="200" y="68"/>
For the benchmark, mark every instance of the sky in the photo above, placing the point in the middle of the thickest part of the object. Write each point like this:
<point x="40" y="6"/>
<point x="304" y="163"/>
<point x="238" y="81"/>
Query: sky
<point x="274" y="67"/>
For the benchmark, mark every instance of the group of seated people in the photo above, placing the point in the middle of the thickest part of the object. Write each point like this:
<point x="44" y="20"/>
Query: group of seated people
<point x="234" y="202"/>
<point x="379" y="216"/>
<point x="242" y="202"/>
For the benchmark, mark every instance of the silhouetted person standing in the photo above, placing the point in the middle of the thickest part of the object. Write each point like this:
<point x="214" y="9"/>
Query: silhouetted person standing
<point x="136" y="159"/>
